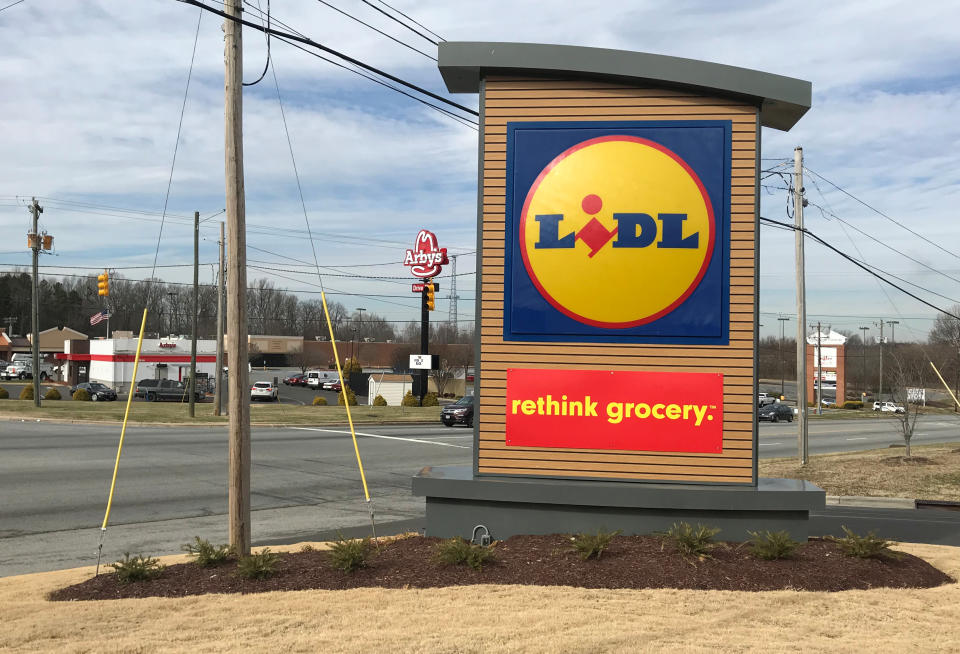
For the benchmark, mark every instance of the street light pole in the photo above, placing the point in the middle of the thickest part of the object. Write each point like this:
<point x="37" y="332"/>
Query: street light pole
<point x="360" y="310"/>
<point x="782" y="320"/>
<point x="863" y="358"/>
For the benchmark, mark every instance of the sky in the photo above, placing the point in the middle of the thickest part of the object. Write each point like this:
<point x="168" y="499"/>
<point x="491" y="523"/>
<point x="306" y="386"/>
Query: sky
<point x="94" y="91"/>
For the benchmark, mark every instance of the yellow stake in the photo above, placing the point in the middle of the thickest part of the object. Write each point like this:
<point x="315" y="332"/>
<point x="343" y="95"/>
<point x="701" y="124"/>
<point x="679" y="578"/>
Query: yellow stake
<point x="123" y="430"/>
<point x="944" y="383"/>
<point x="346" y="402"/>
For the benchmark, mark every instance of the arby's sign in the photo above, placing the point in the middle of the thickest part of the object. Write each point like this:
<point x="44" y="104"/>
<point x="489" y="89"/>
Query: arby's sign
<point x="426" y="259"/>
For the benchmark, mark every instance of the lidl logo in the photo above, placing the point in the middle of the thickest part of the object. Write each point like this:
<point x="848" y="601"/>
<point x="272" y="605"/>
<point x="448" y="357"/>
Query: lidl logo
<point x="618" y="231"/>
<point x="618" y="209"/>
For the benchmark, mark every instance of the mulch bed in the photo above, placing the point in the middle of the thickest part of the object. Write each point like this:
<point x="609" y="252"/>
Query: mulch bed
<point x="629" y="562"/>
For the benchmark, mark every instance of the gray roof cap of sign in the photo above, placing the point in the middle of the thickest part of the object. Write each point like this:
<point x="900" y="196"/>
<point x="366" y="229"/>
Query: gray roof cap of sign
<point x="782" y="100"/>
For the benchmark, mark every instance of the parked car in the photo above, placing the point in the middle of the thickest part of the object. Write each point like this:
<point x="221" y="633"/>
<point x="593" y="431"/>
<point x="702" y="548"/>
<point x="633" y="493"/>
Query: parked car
<point x="23" y="369"/>
<point x="888" y="407"/>
<point x="763" y="399"/>
<point x="264" y="391"/>
<point x="331" y="385"/>
<point x="96" y="390"/>
<point x="775" y="413"/>
<point x="460" y="412"/>
<point x="317" y="378"/>
<point x="163" y="389"/>
<point x="295" y="380"/>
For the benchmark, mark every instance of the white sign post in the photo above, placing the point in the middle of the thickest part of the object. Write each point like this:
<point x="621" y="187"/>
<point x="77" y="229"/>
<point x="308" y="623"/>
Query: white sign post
<point x="421" y="361"/>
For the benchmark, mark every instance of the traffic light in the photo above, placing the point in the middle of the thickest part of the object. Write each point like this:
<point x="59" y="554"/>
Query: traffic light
<point x="103" y="284"/>
<point x="428" y="290"/>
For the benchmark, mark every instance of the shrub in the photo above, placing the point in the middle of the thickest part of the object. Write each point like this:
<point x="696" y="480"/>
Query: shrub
<point x="811" y="404"/>
<point x="459" y="551"/>
<point x="207" y="554"/>
<point x="351" y="365"/>
<point x="864" y="547"/>
<point x="770" y="545"/>
<point x="853" y="404"/>
<point x="350" y="555"/>
<point x="4" y="394"/>
<point x="379" y="401"/>
<point x="348" y="393"/>
<point x="430" y="399"/>
<point x="410" y="399"/>
<point x="81" y="395"/>
<point x="692" y="541"/>
<point x="136" y="568"/>
<point x="27" y="392"/>
<point x="592" y="545"/>
<point x="320" y="401"/>
<point x="307" y="547"/>
<point x="52" y="394"/>
<point x="258" y="566"/>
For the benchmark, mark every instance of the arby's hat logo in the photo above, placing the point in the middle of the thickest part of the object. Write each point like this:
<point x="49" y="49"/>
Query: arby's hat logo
<point x="426" y="258"/>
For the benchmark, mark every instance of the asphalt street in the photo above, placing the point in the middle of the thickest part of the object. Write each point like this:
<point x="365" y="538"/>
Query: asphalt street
<point x="172" y="485"/>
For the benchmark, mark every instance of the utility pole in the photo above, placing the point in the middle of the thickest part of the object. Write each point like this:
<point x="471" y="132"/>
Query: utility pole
<point x="863" y="358"/>
<point x="238" y="381"/>
<point x="217" y="395"/>
<point x="360" y="310"/>
<point x="454" y="298"/>
<point x="893" y="334"/>
<point x="819" y="373"/>
<point x="798" y="202"/>
<point x="35" y="245"/>
<point x="782" y="320"/>
<point x="196" y="310"/>
<point x="880" y="391"/>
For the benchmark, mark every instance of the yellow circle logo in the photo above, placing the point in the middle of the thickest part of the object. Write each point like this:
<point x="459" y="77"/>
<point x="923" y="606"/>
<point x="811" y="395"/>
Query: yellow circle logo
<point x="617" y="231"/>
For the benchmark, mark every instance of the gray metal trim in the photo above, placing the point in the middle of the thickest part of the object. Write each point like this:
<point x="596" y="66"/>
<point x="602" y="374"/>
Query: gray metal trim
<point x="756" y="302"/>
<point x="477" y="320"/>
<point x="782" y="100"/>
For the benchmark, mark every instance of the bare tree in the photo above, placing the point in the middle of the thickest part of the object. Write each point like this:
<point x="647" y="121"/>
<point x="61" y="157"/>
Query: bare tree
<point x="454" y="360"/>
<point x="946" y="332"/>
<point x="304" y="360"/>
<point x="906" y="372"/>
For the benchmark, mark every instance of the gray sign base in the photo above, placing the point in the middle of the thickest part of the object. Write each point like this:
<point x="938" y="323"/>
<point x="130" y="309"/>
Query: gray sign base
<point x="507" y="506"/>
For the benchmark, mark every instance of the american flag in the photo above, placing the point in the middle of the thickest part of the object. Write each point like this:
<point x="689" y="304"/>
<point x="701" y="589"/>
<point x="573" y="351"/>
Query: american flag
<point x="97" y="317"/>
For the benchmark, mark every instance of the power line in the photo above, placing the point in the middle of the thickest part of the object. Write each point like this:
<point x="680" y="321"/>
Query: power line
<point x="392" y="38"/>
<point x="266" y="64"/>
<point x="10" y="5"/>
<point x="394" y="18"/>
<point x="860" y="265"/>
<point x="880" y="213"/>
<point x="176" y="145"/>
<point x="340" y="55"/>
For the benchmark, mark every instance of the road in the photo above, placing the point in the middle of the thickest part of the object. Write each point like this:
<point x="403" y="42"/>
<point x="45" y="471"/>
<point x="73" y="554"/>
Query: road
<point x="54" y="481"/>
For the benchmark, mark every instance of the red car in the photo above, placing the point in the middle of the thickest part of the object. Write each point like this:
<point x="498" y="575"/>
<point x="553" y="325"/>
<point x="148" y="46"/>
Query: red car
<point x="335" y="386"/>
<point x="295" y="380"/>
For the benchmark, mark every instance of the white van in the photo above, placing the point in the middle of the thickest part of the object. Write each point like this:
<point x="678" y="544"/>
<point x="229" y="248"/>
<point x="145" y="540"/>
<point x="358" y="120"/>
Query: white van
<point x="316" y="378"/>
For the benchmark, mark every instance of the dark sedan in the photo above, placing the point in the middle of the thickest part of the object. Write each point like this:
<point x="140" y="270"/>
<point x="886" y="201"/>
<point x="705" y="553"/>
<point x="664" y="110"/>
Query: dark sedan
<point x="460" y="412"/>
<point x="775" y="412"/>
<point x="97" y="391"/>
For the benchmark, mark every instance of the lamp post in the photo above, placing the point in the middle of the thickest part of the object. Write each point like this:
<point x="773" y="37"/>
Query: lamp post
<point x="782" y="320"/>
<point x="171" y="301"/>
<point x="360" y="310"/>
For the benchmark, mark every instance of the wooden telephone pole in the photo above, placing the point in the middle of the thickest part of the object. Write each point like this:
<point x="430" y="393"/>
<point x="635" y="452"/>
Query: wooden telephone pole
<point x="195" y="309"/>
<point x="238" y="379"/>
<point x="217" y="395"/>
<point x="36" y="245"/>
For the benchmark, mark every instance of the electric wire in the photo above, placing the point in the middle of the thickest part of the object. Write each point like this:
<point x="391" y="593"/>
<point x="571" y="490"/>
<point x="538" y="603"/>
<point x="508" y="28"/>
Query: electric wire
<point x="11" y="5"/>
<point x="392" y="38"/>
<point x="176" y="145"/>
<point x="340" y="55"/>
<point x="266" y="64"/>
<point x="397" y="20"/>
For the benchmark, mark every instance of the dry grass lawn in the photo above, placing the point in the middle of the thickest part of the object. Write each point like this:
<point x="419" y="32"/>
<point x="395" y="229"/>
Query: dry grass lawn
<point x="866" y="473"/>
<point x="489" y="619"/>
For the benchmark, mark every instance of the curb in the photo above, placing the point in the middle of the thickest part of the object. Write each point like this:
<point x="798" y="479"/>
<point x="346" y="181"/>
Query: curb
<point x="255" y="425"/>
<point x="871" y="502"/>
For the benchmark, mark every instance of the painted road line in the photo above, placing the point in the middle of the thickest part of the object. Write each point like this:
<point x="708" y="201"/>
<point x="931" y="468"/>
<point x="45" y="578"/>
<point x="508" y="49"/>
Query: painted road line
<point x="389" y="438"/>
<point x="863" y="438"/>
<point x="769" y="444"/>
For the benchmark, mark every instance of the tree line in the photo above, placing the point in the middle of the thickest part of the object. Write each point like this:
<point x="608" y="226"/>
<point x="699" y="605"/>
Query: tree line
<point x="71" y="300"/>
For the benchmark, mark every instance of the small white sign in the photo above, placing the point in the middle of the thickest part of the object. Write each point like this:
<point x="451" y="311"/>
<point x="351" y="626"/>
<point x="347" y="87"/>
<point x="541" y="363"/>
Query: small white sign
<point x="421" y="361"/>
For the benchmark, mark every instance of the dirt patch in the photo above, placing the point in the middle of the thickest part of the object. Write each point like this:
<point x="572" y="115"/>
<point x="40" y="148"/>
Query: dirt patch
<point x="908" y="461"/>
<point x="631" y="562"/>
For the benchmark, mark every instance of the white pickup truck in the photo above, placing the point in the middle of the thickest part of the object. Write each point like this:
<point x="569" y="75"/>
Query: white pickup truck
<point x="24" y="370"/>
<point x="763" y="399"/>
<point x="889" y="407"/>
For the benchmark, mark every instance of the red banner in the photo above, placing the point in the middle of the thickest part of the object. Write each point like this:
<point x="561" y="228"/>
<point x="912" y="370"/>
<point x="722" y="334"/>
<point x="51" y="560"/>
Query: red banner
<point x="615" y="410"/>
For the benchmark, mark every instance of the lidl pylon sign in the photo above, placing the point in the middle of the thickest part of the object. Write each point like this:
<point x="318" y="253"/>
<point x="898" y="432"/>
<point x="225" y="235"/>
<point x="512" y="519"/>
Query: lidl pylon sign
<point x="618" y="232"/>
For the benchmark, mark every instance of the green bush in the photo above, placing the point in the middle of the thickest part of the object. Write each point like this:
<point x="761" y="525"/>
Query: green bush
<point x="348" y="393"/>
<point x="350" y="555"/>
<point x="592" y="545"/>
<point x="4" y="395"/>
<point x="692" y="541"/>
<point x="27" y="392"/>
<point x="459" y="551"/>
<point x="52" y="394"/>
<point x="320" y="401"/>
<point x="207" y="554"/>
<point x="81" y="395"/>
<point x="853" y="404"/>
<point x="410" y="399"/>
<point x="770" y="545"/>
<point x="137" y="568"/>
<point x="864" y="547"/>
<point x="351" y="365"/>
<point x="379" y="401"/>
<point x="430" y="399"/>
<point x="259" y="566"/>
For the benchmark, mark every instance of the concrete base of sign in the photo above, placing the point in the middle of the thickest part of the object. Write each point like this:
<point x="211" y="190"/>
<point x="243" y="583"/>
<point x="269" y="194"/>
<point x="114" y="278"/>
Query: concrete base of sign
<point x="457" y="502"/>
